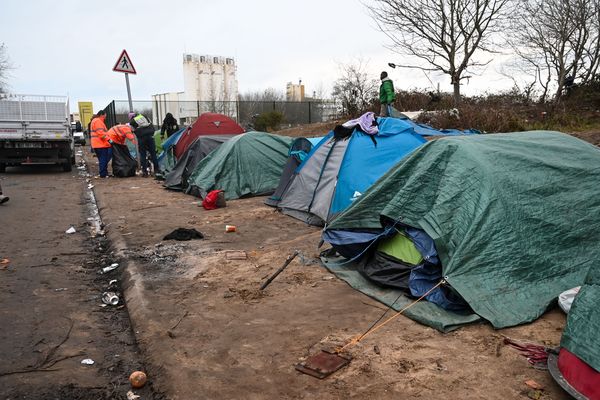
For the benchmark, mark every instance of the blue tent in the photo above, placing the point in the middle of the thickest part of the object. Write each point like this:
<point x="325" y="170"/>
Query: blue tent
<point x="337" y="171"/>
<point x="166" y="159"/>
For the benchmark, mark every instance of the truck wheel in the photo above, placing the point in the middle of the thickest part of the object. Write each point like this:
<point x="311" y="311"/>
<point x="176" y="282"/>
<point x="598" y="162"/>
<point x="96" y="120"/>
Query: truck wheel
<point x="2" y="167"/>
<point x="67" y="167"/>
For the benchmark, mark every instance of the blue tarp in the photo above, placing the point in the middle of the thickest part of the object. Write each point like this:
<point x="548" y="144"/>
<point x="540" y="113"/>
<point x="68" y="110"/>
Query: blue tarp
<point x="403" y="122"/>
<point x="170" y="142"/>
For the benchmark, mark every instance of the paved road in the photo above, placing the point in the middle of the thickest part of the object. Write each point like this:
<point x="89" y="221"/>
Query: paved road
<point x="50" y="314"/>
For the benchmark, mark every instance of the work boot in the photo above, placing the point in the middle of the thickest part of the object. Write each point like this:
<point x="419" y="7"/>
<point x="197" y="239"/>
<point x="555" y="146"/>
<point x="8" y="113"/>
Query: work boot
<point x="3" y="199"/>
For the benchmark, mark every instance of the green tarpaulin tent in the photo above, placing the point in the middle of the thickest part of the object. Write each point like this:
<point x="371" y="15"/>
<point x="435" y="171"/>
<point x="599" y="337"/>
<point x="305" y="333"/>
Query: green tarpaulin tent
<point x="158" y="141"/>
<point x="515" y="217"/>
<point x="248" y="164"/>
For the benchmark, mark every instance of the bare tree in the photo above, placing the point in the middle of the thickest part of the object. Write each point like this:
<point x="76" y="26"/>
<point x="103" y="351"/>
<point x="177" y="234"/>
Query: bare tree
<point x="269" y="94"/>
<point x="445" y="34"/>
<point x="557" y="41"/>
<point x="354" y="89"/>
<point x="5" y="66"/>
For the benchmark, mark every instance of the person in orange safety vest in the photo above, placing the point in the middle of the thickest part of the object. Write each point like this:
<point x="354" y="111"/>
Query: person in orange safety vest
<point x="101" y="142"/>
<point x="120" y="133"/>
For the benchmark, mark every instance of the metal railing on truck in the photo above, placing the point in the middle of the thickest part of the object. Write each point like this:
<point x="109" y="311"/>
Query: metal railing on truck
<point x="27" y="107"/>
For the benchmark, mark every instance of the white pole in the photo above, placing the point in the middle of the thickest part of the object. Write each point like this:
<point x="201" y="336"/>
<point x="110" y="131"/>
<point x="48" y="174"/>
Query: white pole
<point x="128" y="92"/>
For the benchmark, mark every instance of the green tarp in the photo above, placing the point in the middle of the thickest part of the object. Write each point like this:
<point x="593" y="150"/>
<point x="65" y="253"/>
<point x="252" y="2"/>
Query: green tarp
<point x="582" y="333"/>
<point x="158" y="142"/>
<point x="247" y="164"/>
<point x="515" y="217"/>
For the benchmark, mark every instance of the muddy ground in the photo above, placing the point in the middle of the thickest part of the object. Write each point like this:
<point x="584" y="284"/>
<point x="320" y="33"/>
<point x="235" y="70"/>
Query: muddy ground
<point x="208" y="332"/>
<point x="50" y="313"/>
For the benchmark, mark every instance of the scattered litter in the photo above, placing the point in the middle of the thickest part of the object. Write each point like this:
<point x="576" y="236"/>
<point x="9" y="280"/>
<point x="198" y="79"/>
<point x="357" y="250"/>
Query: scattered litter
<point x="565" y="299"/>
<point x="134" y="187"/>
<point x="376" y="349"/>
<point x="214" y="199"/>
<point x="110" y="298"/>
<point x="112" y="282"/>
<point x="184" y="234"/>
<point x="327" y="278"/>
<point x="87" y="361"/>
<point x="536" y="355"/>
<point x="4" y="263"/>
<point x="111" y="267"/>
<point x="137" y="379"/>
<point x="62" y="289"/>
<point x="534" y="385"/>
<point x="230" y="228"/>
<point x="70" y="230"/>
<point x="90" y="186"/>
<point x="236" y="255"/>
<point x="132" y="396"/>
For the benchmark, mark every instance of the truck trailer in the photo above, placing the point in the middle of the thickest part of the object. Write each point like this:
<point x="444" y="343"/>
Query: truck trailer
<point x="35" y="130"/>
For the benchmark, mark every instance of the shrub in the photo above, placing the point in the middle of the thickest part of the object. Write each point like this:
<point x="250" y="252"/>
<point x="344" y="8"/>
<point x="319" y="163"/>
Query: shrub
<point x="268" y="121"/>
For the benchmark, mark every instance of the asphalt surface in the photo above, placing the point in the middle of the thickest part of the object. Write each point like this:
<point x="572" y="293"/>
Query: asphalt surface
<point x="51" y="316"/>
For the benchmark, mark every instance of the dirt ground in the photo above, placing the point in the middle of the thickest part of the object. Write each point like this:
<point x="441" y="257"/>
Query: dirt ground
<point x="208" y="332"/>
<point x="50" y="314"/>
<point x="310" y="130"/>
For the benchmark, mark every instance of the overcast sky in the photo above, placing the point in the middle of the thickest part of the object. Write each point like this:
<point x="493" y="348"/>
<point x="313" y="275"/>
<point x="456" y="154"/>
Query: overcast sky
<point x="68" y="47"/>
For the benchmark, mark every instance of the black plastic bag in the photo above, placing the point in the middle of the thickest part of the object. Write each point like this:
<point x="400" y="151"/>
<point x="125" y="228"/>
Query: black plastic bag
<point x="123" y="165"/>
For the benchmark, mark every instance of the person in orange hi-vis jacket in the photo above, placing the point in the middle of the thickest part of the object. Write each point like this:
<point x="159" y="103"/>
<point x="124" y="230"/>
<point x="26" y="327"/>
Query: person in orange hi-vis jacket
<point x="101" y="142"/>
<point x="120" y="133"/>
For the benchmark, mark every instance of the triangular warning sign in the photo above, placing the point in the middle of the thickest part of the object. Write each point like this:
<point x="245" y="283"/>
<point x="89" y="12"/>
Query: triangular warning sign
<point x="124" y="64"/>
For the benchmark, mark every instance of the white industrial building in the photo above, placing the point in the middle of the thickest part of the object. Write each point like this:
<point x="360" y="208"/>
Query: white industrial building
<point x="210" y="85"/>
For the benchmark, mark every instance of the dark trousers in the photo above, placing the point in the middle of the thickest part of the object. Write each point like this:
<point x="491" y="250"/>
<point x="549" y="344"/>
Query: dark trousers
<point x="146" y="145"/>
<point x="104" y="155"/>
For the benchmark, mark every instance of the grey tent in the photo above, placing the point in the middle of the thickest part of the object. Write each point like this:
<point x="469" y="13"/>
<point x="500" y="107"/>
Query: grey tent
<point x="187" y="163"/>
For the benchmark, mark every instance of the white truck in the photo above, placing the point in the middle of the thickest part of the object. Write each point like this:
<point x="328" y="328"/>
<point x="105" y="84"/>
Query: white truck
<point x="35" y="129"/>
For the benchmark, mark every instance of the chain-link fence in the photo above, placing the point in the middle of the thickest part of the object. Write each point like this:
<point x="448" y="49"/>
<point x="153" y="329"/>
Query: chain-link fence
<point x="243" y="112"/>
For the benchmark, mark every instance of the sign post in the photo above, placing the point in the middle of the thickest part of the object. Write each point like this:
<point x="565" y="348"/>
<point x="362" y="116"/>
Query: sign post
<point x="125" y="65"/>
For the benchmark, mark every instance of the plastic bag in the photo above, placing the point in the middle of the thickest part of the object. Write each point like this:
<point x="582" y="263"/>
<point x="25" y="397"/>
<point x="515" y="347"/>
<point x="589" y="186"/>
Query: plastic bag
<point x="213" y="200"/>
<point x="565" y="299"/>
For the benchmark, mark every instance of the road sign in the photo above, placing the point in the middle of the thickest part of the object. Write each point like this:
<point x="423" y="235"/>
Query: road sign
<point x="124" y="64"/>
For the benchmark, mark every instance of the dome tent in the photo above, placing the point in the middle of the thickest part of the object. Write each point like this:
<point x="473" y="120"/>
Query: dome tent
<point x="249" y="164"/>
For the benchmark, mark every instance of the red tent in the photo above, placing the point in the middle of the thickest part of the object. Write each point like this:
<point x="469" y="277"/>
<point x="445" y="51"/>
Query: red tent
<point x="206" y="124"/>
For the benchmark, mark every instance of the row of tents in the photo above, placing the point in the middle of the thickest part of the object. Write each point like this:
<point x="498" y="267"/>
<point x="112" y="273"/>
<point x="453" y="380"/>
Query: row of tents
<point x="487" y="227"/>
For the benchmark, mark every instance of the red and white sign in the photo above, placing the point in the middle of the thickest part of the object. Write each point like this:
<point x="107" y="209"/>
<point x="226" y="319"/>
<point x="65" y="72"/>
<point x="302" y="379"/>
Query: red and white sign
<point x="124" y="64"/>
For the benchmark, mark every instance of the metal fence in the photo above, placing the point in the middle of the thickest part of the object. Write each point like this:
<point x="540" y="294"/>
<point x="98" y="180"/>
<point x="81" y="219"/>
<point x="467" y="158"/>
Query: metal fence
<point x="243" y="112"/>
